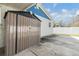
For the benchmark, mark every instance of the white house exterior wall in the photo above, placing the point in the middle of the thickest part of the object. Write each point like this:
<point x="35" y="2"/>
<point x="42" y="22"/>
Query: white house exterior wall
<point x="45" y="29"/>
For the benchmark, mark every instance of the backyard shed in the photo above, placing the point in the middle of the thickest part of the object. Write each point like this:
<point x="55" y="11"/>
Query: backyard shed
<point x="22" y="30"/>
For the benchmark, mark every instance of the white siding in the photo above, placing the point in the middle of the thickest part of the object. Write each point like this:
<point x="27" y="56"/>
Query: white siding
<point x="45" y="29"/>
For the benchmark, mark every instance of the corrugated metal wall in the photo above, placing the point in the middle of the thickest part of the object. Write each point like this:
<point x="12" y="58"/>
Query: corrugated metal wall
<point x="21" y="33"/>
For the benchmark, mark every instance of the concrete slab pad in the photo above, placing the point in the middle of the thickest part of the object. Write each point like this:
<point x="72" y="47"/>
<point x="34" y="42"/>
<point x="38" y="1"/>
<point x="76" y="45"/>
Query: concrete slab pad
<point x="42" y="51"/>
<point x="26" y="52"/>
<point x="61" y="50"/>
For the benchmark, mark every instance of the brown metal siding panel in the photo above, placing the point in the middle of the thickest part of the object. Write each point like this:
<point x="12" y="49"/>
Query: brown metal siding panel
<point x="21" y="33"/>
<point x="18" y="34"/>
<point x="11" y="33"/>
<point x="30" y="30"/>
<point x="26" y="35"/>
<point x="14" y="33"/>
<point x="25" y="32"/>
<point x="7" y="33"/>
<point x="38" y="31"/>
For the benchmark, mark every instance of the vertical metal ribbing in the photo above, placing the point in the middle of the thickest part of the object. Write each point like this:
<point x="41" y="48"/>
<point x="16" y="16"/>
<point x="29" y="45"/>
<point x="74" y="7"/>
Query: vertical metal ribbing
<point x="16" y="33"/>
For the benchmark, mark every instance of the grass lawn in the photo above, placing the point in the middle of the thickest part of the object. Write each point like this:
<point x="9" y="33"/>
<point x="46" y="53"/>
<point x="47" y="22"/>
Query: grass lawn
<point x="77" y="35"/>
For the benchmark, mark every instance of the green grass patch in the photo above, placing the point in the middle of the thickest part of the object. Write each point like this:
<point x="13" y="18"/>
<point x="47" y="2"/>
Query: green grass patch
<point x="69" y="34"/>
<point x="74" y="35"/>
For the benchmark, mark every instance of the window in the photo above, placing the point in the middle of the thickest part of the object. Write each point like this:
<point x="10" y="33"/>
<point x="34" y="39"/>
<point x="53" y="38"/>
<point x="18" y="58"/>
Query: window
<point x="49" y="24"/>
